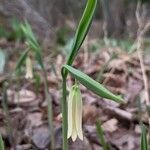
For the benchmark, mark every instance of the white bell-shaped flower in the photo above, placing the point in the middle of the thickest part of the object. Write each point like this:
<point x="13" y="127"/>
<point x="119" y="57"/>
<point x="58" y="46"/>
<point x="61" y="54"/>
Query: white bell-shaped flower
<point x="75" y="113"/>
<point x="29" y="70"/>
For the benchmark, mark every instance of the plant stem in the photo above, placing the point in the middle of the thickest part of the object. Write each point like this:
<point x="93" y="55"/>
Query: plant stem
<point x="101" y="135"/>
<point x="50" y="111"/>
<point x="64" y="114"/>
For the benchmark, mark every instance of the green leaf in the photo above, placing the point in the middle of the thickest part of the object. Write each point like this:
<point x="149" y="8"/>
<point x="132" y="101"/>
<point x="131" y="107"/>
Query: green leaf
<point x="92" y="85"/>
<point x="1" y="143"/>
<point x="38" y="56"/>
<point x="82" y="29"/>
<point x="21" y="60"/>
<point x="26" y="28"/>
<point x="32" y="42"/>
<point x="144" y="142"/>
<point x="2" y="61"/>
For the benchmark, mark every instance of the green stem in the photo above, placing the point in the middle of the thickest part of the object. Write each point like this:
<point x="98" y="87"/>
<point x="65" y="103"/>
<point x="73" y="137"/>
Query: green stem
<point x="64" y="114"/>
<point x="50" y="111"/>
<point x="101" y="135"/>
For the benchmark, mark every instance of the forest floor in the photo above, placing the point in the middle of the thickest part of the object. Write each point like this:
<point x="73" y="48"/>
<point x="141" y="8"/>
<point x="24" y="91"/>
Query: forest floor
<point x="23" y="119"/>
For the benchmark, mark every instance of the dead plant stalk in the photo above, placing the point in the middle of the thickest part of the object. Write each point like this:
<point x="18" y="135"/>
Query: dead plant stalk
<point x="142" y="29"/>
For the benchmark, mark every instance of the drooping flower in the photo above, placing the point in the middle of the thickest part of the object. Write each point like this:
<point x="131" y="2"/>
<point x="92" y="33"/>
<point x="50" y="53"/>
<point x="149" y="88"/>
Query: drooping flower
<point x="75" y="113"/>
<point x="29" y="70"/>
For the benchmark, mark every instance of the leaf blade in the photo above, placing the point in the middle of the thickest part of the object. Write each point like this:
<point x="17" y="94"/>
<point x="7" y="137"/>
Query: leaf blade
<point x="144" y="142"/>
<point x="82" y="29"/>
<point x="32" y="42"/>
<point x="21" y="60"/>
<point x="92" y="85"/>
<point x="1" y="143"/>
<point x="2" y="61"/>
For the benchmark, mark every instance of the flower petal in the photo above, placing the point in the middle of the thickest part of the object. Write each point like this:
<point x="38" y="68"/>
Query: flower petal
<point x="74" y="131"/>
<point x="70" y="118"/>
<point x="78" y="114"/>
<point x="29" y="71"/>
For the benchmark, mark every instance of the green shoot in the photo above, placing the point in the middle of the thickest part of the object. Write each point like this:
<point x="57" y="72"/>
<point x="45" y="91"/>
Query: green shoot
<point x="21" y="60"/>
<point x="101" y="135"/>
<point x="144" y="141"/>
<point x="1" y="143"/>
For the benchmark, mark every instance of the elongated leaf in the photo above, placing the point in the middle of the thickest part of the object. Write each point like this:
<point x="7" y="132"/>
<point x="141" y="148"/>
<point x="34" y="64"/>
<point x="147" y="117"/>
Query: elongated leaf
<point x="92" y="85"/>
<point x="1" y="143"/>
<point x="82" y="29"/>
<point x="26" y="28"/>
<point x="21" y="60"/>
<point x="2" y="61"/>
<point x="38" y="56"/>
<point x="144" y="143"/>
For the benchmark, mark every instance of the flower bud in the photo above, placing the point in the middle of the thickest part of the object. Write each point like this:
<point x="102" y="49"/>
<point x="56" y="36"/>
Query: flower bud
<point x="29" y="70"/>
<point x="75" y="113"/>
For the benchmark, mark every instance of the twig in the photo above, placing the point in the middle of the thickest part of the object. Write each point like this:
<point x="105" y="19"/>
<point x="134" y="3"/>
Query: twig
<point x="143" y="28"/>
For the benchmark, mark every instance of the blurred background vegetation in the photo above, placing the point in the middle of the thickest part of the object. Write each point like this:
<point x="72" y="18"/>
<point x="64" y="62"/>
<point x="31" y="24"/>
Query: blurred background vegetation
<point x="49" y="17"/>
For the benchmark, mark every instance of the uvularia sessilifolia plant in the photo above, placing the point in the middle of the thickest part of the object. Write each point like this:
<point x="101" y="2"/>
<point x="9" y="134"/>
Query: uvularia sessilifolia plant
<point x="34" y="48"/>
<point x="71" y="109"/>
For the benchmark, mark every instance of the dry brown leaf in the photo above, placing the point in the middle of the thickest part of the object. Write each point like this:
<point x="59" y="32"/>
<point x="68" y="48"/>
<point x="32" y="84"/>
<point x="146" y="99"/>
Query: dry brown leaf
<point x="21" y="97"/>
<point x="110" y="125"/>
